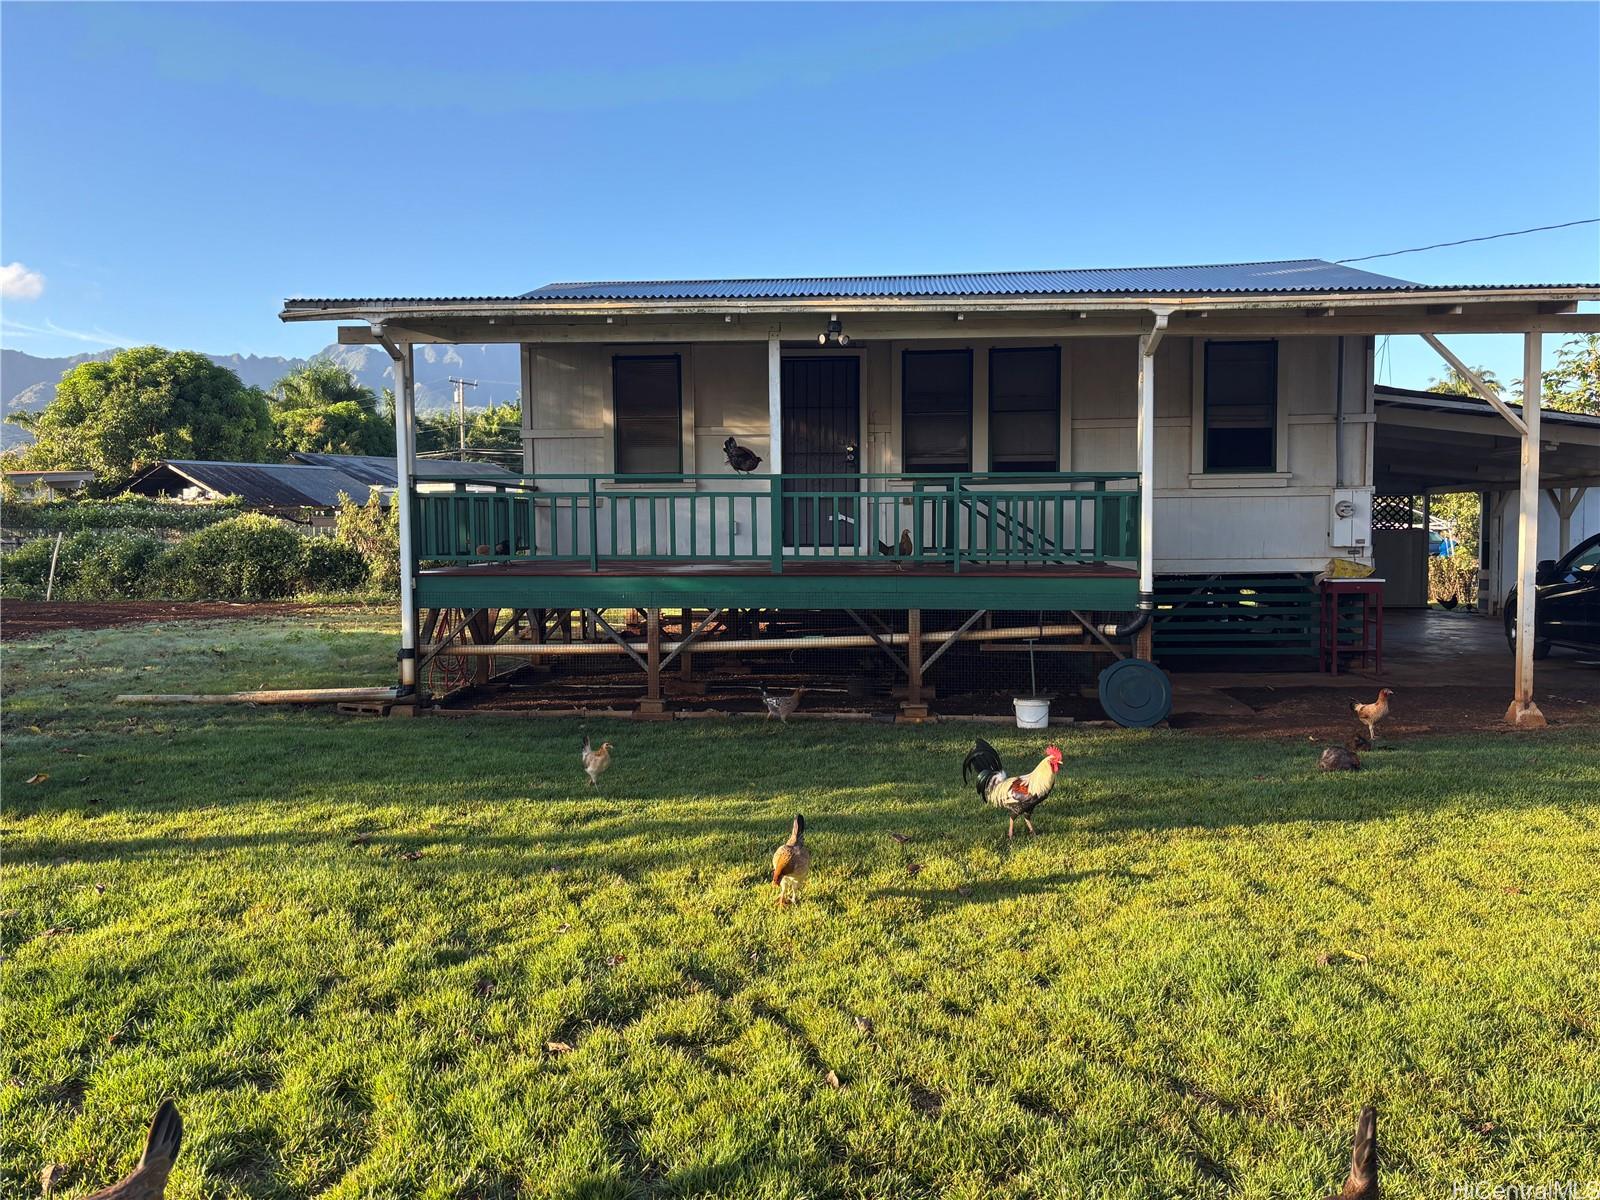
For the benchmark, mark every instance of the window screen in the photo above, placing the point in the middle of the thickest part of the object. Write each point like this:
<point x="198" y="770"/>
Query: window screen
<point x="647" y="398"/>
<point x="1241" y="406"/>
<point x="1024" y="409"/>
<point x="936" y="410"/>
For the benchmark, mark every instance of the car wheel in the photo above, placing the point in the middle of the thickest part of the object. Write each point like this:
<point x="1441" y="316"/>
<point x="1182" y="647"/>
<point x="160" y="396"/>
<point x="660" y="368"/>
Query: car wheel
<point x="1541" y="647"/>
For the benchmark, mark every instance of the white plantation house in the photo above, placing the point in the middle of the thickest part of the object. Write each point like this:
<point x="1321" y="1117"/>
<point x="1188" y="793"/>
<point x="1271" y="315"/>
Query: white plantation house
<point x="1106" y="441"/>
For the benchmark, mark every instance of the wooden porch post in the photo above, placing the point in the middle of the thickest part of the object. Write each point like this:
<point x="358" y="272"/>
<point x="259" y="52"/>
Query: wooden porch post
<point x="774" y="404"/>
<point x="652" y="703"/>
<point x="1524" y="713"/>
<point x="914" y="709"/>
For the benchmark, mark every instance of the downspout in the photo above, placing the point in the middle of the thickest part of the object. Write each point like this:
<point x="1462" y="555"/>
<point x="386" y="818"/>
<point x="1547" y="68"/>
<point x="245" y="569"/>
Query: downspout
<point x="1148" y="344"/>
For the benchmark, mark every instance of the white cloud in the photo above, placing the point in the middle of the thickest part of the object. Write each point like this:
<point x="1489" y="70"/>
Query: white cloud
<point x="95" y="337"/>
<point x="17" y="282"/>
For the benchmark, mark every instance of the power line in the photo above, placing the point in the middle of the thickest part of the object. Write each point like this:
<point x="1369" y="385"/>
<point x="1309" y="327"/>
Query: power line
<point x="1487" y="238"/>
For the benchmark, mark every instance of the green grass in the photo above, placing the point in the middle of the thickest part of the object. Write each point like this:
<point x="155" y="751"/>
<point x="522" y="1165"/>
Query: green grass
<point x="1185" y="986"/>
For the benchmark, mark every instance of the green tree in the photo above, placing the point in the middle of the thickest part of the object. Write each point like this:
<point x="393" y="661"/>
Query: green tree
<point x="1573" y="384"/>
<point x="321" y="407"/>
<point x="120" y="416"/>
<point x="498" y="427"/>
<point x="1455" y="384"/>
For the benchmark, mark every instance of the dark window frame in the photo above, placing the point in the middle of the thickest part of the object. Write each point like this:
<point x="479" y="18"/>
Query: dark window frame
<point x="1272" y="466"/>
<point x="617" y="418"/>
<point x="905" y="457"/>
<point x="1054" y="408"/>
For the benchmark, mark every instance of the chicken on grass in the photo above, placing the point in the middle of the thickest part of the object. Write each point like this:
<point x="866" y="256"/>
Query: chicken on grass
<point x="1019" y="795"/>
<point x="791" y="863"/>
<point x="595" y="761"/>
<point x="1362" y="1182"/>
<point x="782" y="707"/>
<point x="1346" y="757"/>
<point x="148" y="1180"/>
<point x="1370" y="714"/>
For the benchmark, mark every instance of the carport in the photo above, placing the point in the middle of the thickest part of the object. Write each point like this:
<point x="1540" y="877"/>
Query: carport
<point x="1429" y="443"/>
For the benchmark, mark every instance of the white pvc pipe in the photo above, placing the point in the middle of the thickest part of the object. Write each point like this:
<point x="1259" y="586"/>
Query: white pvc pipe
<point x="732" y="645"/>
<point x="1146" y="436"/>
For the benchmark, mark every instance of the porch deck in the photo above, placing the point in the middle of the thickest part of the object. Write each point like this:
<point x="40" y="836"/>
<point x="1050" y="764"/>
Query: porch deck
<point x="1047" y="541"/>
<point x="827" y="582"/>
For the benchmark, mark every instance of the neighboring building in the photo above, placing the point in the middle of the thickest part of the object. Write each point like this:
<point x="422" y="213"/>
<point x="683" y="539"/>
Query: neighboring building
<point x="1179" y="440"/>
<point x="49" y="485"/>
<point x="306" y="491"/>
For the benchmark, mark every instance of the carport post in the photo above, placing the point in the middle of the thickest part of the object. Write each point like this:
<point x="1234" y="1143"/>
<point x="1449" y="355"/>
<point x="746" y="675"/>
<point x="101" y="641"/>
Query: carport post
<point x="1524" y="713"/>
<point x="405" y="468"/>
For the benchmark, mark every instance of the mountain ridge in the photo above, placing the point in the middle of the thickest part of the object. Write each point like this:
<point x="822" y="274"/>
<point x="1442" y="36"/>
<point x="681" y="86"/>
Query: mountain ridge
<point x="28" y="381"/>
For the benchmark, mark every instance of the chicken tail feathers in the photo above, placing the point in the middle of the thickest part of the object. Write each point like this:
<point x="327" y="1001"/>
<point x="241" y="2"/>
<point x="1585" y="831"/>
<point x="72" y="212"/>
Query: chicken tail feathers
<point x="1364" y="1154"/>
<point x="1355" y="707"/>
<point x="983" y="762"/>
<point x="166" y="1136"/>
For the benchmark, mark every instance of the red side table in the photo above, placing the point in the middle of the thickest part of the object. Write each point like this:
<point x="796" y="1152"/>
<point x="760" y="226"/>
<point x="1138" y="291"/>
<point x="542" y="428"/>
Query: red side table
<point x="1369" y="592"/>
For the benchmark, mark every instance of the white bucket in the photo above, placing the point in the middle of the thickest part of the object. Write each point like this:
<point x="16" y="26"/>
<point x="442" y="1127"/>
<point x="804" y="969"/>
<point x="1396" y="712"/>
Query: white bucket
<point x="1033" y="712"/>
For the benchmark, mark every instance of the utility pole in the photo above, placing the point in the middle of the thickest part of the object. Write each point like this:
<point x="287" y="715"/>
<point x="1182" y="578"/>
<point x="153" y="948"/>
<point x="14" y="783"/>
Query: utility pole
<point x="461" y="410"/>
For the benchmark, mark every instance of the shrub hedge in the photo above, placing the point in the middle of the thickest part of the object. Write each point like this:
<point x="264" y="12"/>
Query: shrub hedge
<point x="120" y="512"/>
<point x="239" y="557"/>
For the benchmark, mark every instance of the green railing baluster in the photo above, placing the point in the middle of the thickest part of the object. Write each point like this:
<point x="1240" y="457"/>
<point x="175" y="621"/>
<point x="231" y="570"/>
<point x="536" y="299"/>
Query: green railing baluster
<point x="949" y="520"/>
<point x="594" y="528"/>
<point x="775" y="516"/>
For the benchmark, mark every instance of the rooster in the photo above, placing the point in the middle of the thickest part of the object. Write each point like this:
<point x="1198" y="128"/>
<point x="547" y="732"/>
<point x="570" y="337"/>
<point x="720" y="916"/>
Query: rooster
<point x="1362" y="1182"/>
<point x="595" y="762"/>
<point x="1370" y="714"/>
<point x="791" y="863"/>
<point x="1019" y="795"/>
<point x="740" y="459"/>
<point x="901" y="549"/>
<point x="149" y="1179"/>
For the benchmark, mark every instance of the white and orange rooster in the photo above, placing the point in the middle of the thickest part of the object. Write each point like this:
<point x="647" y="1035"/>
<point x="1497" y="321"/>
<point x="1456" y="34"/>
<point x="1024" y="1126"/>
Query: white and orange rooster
<point x="1019" y="795"/>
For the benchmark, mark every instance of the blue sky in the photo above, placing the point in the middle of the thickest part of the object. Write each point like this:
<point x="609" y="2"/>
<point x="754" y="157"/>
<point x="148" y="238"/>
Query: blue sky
<point x="174" y="171"/>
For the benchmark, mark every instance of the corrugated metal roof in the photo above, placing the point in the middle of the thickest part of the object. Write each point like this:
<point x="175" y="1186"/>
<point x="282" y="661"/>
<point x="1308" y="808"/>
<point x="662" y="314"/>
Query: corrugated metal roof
<point x="258" y="485"/>
<point x="376" y="469"/>
<point x="1450" y="402"/>
<point x="315" y="481"/>
<point x="1296" y="275"/>
<point x="1302" y="276"/>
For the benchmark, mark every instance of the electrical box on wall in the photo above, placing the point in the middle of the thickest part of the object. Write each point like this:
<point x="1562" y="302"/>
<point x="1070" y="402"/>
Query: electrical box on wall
<point x="1350" y="520"/>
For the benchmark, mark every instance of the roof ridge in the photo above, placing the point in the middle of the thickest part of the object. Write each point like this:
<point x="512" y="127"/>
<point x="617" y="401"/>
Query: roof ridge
<point x="1260" y="262"/>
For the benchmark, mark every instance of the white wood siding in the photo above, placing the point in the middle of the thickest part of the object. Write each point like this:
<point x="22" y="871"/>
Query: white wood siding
<point x="1275" y="521"/>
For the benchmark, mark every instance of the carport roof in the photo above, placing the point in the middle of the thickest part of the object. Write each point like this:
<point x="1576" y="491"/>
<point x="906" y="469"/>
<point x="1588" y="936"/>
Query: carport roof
<point x="1428" y="441"/>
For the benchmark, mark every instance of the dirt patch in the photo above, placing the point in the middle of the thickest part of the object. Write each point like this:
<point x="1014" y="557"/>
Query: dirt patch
<point x="1322" y="714"/>
<point x="22" y="619"/>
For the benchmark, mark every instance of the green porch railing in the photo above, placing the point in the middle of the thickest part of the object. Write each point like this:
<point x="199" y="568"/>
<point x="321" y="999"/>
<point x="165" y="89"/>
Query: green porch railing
<point x="954" y="520"/>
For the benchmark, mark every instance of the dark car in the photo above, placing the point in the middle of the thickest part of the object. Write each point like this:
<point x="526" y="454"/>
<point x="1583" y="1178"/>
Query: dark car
<point x="1568" y="611"/>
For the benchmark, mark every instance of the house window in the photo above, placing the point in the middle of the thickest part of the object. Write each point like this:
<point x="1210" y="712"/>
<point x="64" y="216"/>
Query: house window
<point x="1024" y="409"/>
<point x="647" y="401"/>
<point x="1241" y="406"/>
<point x="936" y="410"/>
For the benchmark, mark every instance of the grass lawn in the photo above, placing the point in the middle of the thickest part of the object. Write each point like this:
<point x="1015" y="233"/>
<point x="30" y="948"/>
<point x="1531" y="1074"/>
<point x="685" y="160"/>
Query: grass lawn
<point x="1185" y="986"/>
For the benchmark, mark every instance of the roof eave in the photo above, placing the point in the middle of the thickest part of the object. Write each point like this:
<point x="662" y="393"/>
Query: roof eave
<point x="522" y="308"/>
